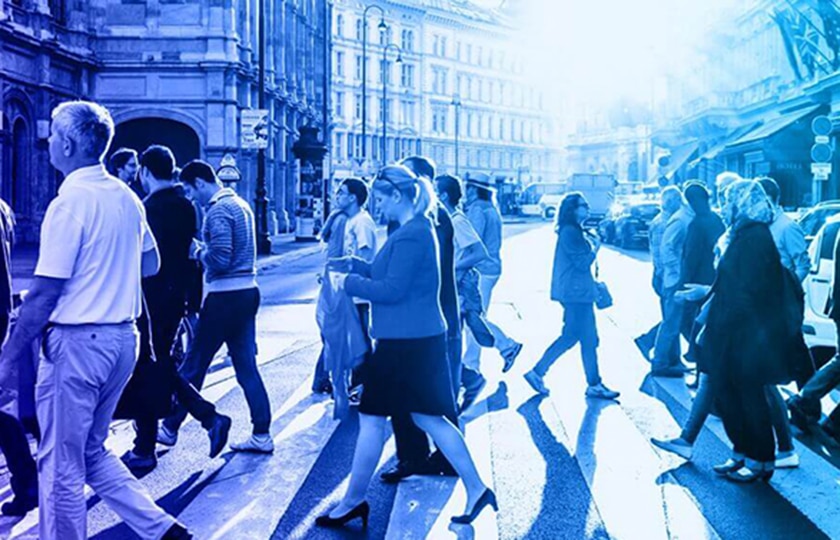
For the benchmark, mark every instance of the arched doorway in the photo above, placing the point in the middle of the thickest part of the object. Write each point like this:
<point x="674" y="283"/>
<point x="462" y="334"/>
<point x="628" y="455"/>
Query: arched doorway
<point x="15" y="190"/>
<point x="141" y="133"/>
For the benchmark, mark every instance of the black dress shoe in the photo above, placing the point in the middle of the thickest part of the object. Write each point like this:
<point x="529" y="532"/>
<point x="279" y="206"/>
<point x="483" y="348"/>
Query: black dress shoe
<point x="177" y="532"/>
<point x="361" y="511"/>
<point x="487" y="498"/>
<point x="745" y="475"/>
<point x="218" y="434"/>
<point x="19" y="506"/>
<point x="402" y="470"/>
<point x="439" y="466"/>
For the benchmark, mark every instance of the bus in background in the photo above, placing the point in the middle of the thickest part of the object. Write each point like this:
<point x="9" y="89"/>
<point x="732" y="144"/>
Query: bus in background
<point x="541" y="199"/>
<point x="599" y="190"/>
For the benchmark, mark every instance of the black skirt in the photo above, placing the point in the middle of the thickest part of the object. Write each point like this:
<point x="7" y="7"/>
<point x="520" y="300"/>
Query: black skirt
<point x="408" y="376"/>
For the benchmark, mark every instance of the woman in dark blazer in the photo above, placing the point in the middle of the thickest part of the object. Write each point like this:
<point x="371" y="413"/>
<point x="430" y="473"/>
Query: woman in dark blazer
<point x="750" y="338"/>
<point x="408" y="372"/>
<point x="573" y="286"/>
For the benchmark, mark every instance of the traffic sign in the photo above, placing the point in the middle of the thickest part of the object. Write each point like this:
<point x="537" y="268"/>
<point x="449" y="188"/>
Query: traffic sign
<point x="228" y="172"/>
<point x="821" y="168"/>
<point x="821" y="125"/>
<point x="822" y="139"/>
<point x="821" y="153"/>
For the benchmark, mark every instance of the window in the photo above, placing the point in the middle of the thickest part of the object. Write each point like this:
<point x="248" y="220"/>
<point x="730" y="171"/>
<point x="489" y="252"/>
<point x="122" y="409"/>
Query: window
<point x="407" y="75"/>
<point x="385" y="36"/>
<point x="458" y="50"/>
<point x="58" y="9"/>
<point x="339" y="64"/>
<point x="384" y="68"/>
<point x="443" y="46"/>
<point x="358" y="67"/>
<point x="439" y="119"/>
<point x="357" y="146"/>
<point x="359" y="29"/>
<point x="480" y="55"/>
<point x="339" y="144"/>
<point x="351" y="145"/>
<point x="357" y="107"/>
<point x="408" y="112"/>
<point x="339" y="104"/>
<point x="469" y="53"/>
<point x="435" y="44"/>
<point x="407" y="40"/>
<point x="339" y="26"/>
<point x="384" y="109"/>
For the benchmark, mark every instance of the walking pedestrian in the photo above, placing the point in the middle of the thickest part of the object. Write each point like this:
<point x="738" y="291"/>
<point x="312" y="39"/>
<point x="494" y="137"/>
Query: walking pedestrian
<point x="669" y="203"/>
<point x="667" y="350"/>
<point x="408" y="372"/>
<point x="414" y="455"/>
<point x="13" y="442"/>
<point x="124" y="165"/>
<point x="333" y="234"/>
<point x="232" y="298"/>
<point x="573" y="286"/>
<point x="148" y="396"/>
<point x="95" y="247"/>
<point x="487" y="222"/>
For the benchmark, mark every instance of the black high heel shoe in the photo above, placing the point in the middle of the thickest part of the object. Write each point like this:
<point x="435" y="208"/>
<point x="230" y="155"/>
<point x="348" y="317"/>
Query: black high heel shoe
<point x="487" y="498"/>
<point x="360" y="511"/>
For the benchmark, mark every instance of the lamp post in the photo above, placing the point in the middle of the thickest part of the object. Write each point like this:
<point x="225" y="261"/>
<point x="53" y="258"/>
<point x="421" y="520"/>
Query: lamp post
<point x="261" y="202"/>
<point x="385" y="72"/>
<point x="382" y="26"/>
<point x="456" y="101"/>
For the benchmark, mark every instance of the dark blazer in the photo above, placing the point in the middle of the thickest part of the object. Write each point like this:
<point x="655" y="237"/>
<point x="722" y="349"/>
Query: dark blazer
<point x="698" y="263"/>
<point x="748" y="337"/>
<point x="571" y="277"/>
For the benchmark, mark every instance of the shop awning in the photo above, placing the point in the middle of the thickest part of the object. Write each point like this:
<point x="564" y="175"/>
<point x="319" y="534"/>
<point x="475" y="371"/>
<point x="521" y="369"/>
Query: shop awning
<point x="713" y="151"/>
<point x="680" y="156"/>
<point x="772" y="126"/>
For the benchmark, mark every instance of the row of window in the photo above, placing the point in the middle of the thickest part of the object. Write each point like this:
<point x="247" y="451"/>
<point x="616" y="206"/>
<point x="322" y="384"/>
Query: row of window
<point x="476" y="55"/>
<point x="487" y="159"/>
<point x="349" y="146"/>
<point x="385" y="70"/>
<point x="473" y="124"/>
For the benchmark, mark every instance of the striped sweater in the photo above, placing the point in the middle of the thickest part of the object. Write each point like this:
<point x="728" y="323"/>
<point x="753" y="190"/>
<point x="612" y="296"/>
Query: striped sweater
<point x="230" y="251"/>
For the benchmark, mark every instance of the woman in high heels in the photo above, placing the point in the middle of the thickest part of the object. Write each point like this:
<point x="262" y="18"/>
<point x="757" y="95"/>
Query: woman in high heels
<point x="408" y="371"/>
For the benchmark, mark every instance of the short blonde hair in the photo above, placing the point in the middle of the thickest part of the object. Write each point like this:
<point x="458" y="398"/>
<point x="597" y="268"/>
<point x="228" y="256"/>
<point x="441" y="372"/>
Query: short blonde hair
<point x="87" y="123"/>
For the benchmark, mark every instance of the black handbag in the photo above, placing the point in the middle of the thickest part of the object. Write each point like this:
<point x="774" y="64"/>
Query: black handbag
<point x="603" y="298"/>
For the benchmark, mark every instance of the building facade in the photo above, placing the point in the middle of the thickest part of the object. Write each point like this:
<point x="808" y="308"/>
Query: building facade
<point x="460" y="87"/>
<point x="175" y="73"/>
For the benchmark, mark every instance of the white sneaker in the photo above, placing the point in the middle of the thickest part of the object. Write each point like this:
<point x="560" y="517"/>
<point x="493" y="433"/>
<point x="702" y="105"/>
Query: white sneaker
<point x="601" y="392"/>
<point x="165" y="436"/>
<point x="789" y="461"/>
<point x="675" y="446"/>
<point x="259" y="444"/>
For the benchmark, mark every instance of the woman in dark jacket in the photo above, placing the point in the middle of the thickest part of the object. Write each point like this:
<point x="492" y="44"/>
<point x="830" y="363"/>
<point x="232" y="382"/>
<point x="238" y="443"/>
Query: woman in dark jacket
<point x="573" y="286"/>
<point x="748" y="341"/>
<point x="408" y="372"/>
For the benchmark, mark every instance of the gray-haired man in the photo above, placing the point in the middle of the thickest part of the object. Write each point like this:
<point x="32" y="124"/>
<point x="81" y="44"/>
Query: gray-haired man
<point x="95" y="247"/>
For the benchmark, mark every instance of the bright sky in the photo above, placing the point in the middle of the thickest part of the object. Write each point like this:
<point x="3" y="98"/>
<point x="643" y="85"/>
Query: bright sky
<point x="601" y="50"/>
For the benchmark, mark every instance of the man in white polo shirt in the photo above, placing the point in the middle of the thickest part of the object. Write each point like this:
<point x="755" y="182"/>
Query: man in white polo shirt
<point x="95" y="247"/>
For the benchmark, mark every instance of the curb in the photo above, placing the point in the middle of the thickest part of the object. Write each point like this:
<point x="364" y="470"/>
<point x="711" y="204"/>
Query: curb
<point x="269" y="262"/>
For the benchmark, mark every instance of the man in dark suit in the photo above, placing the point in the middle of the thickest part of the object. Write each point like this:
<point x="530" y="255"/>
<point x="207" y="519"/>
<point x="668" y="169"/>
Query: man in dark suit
<point x="172" y="218"/>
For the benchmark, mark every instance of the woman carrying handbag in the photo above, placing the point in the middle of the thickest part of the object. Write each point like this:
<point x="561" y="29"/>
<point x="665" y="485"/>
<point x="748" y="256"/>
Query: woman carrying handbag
<point x="573" y="285"/>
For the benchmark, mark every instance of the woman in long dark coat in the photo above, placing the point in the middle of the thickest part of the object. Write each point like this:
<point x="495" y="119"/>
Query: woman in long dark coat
<point x="749" y="339"/>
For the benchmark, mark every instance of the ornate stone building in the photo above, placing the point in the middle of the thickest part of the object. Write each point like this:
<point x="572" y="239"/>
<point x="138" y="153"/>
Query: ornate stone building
<point x="459" y="68"/>
<point x="172" y="72"/>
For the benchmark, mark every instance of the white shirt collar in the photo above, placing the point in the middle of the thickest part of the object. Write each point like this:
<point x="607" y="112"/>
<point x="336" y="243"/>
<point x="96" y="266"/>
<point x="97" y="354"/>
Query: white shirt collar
<point x="84" y="173"/>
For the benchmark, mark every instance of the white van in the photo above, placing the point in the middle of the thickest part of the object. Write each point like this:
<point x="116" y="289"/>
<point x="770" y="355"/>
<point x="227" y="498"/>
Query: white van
<point x="819" y="330"/>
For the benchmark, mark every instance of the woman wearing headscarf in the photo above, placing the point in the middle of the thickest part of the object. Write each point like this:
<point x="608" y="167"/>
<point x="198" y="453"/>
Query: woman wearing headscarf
<point x="573" y="286"/>
<point x="748" y="338"/>
<point x="408" y="372"/>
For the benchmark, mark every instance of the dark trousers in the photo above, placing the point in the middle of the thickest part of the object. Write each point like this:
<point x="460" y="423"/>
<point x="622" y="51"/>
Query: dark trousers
<point x="13" y="445"/>
<point x="747" y="420"/>
<point x="165" y="316"/>
<point x="228" y="318"/>
<point x="412" y="442"/>
<point x="578" y="327"/>
<point x="667" y="350"/>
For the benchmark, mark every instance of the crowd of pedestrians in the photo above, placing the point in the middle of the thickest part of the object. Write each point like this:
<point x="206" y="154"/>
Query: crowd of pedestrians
<point x="417" y="289"/>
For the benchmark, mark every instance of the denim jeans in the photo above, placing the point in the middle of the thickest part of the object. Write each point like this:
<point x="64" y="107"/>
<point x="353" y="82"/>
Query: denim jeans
<point x="666" y="351"/>
<point x="578" y="327"/>
<point x="229" y="318"/>
<point x="503" y="343"/>
<point x="15" y="446"/>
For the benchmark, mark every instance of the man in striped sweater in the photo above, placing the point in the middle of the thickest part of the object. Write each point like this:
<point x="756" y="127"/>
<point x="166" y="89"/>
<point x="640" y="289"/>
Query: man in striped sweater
<point x="228" y="314"/>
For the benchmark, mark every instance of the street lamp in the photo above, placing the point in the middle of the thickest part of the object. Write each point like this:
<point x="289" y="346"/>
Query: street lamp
<point x="456" y="101"/>
<point x="261" y="202"/>
<point x="382" y="26"/>
<point x="385" y="72"/>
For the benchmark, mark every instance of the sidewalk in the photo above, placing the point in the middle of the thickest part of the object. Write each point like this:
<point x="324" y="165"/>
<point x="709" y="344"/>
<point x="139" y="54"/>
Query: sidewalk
<point x="284" y="249"/>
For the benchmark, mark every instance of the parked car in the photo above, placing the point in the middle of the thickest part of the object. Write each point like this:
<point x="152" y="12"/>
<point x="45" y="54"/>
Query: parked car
<point x="820" y="331"/>
<point x="628" y="224"/>
<point x="812" y="220"/>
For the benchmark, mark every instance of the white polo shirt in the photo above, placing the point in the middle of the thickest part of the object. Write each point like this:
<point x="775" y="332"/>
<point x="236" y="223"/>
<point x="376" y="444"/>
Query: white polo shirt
<point x="93" y="235"/>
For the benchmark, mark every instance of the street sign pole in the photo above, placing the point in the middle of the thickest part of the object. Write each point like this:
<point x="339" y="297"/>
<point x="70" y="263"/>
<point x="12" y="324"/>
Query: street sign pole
<point x="261" y="202"/>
